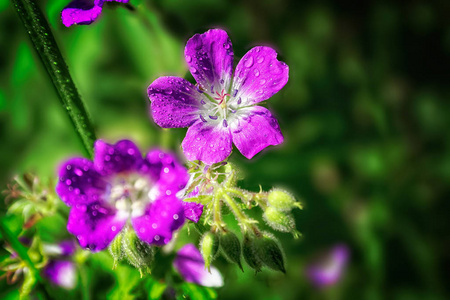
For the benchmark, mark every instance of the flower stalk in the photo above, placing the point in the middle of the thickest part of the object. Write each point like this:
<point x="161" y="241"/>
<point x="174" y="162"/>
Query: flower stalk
<point x="46" y="47"/>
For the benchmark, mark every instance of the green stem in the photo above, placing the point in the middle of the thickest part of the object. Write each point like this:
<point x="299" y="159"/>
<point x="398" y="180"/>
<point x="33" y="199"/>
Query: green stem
<point x="245" y="222"/>
<point x="45" y="45"/>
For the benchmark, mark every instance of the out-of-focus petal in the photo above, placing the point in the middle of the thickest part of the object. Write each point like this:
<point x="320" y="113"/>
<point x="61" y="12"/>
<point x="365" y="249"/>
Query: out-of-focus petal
<point x="95" y="225"/>
<point x="255" y="130"/>
<point x="81" y="12"/>
<point x="210" y="144"/>
<point x="174" y="102"/>
<point x="259" y="75"/>
<point x="190" y="264"/>
<point x="123" y="156"/>
<point x="210" y="59"/>
<point x="329" y="270"/>
<point x="193" y="211"/>
<point x="61" y="273"/>
<point x="162" y="217"/>
<point x="79" y="182"/>
<point x="168" y="174"/>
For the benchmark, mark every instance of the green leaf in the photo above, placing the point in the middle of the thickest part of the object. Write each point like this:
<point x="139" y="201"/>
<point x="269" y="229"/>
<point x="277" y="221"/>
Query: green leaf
<point x="196" y="292"/>
<point x="156" y="289"/>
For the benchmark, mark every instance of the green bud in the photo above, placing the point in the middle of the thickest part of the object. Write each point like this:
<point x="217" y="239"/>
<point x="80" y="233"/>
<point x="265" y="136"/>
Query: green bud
<point x="115" y="249"/>
<point x="250" y="252"/>
<point x="281" y="221"/>
<point x="138" y="253"/>
<point x="209" y="245"/>
<point x="270" y="253"/>
<point x="282" y="200"/>
<point x="231" y="247"/>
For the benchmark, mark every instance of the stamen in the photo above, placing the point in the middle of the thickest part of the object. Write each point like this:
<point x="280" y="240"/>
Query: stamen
<point x="202" y="118"/>
<point x="225" y="123"/>
<point x="213" y="117"/>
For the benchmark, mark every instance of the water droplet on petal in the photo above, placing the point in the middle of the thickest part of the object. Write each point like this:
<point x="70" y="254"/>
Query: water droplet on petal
<point x="193" y="70"/>
<point x="113" y="228"/>
<point x="188" y="58"/>
<point x="68" y="182"/>
<point x="78" y="172"/>
<point x="157" y="237"/>
<point x="166" y="170"/>
<point x="249" y="62"/>
<point x="142" y="230"/>
<point x="107" y="158"/>
<point x="262" y="81"/>
<point x="260" y="59"/>
<point x="256" y="72"/>
<point x="130" y="151"/>
<point x="175" y="217"/>
<point x="69" y="167"/>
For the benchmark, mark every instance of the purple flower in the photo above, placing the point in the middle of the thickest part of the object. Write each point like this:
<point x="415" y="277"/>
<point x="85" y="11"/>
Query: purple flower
<point x="61" y="272"/>
<point x="330" y="268"/>
<point x="221" y="109"/>
<point x="83" y="12"/>
<point x="190" y="264"/>
<point x="120" y="188"/>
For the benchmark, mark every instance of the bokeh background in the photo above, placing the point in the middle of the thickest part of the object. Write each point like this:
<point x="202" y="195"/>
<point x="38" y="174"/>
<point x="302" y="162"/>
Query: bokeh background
<point x="365" y="116"/>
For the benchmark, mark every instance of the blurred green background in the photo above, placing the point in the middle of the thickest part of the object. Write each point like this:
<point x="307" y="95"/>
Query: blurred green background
<point x="365" y="116"/>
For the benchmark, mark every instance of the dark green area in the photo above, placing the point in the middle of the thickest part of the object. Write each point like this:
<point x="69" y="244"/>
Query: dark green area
<point x="365" y="116"/>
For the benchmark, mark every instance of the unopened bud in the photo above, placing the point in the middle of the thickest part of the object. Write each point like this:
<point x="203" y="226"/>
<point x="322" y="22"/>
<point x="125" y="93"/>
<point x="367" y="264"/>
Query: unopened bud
<point x="209" y="245"/>
<point x="231" y="247"/>
<point x="115" y="249"/>
<point x="251" y="253"/>
<point x="270" y="252"/>
<point x="138" y="253"/>
<point x="281" y="221"/>
<point x="282" y="200"/>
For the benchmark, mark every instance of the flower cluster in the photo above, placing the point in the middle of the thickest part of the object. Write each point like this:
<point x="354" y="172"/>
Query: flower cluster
<point x="119" y="189"/>
<point x="221" y="109"/>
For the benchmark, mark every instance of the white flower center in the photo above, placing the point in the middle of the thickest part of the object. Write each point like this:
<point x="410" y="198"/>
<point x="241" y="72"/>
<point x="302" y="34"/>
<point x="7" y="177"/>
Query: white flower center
<point x="130" y="194"/>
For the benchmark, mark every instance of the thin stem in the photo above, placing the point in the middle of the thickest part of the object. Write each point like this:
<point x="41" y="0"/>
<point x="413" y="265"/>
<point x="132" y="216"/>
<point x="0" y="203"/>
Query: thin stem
<point x="46" y="47"/>
<point x="245" y="222"/>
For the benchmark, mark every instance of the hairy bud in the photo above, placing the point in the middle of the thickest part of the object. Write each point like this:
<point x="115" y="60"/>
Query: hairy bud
<point x="115" y="249"/>
<point x="251" y="253"/>
<point x="231" y="247"/>
<point x="281" y="221"/>
<point x="282" y="200"/>
<point x="270" y="252"/>
<point x="138" y="253"/>
<point x="209" y="245"/>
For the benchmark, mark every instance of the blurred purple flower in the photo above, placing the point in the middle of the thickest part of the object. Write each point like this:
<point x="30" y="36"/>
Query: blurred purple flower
<point x="330" y="268"/>
<point x="61" y="272"/>
<point x="121" y="187"/>
<point x="190" y="264"/>
<point x="83" y="12"/>
<point x="221" y="109"/>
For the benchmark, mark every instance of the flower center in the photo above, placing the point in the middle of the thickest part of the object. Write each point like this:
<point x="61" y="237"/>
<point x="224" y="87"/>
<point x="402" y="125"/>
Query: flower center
<point x="130" y="194"/>
<point x="221" y="108"/>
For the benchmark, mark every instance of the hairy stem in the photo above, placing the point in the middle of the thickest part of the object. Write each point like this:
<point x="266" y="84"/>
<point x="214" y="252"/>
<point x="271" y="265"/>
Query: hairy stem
<point x="46" y="47"/>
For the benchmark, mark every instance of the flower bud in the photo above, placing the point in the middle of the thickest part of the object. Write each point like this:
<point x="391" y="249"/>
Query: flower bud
<point x="281" y="221"/>
<point x="209" y="245"/>
<point x="137" y="252"/>
<point x="251" y="253"/>
<point x="270" y="253"/>
<point x="231" y="247"/>
<point x="282" y="200"/>
<point x="115" y="249"/>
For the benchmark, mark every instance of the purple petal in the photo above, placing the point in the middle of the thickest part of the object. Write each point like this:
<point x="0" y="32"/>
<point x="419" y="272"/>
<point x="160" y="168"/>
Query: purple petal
<point x="95" y="225"/>
<point x="61" y="273"/>
<point x="210" y="144"/>
<point x="259" y="75"/>
<point x="210" y="59"/>
<point x="255" y="130"/>
<point x="330" y="268"/>
<point x="175" y="102"/>
<point x="166" y="171"/>
<point x="81" y="12"/>
<point x="190" y="264"/>
<point x="193" y="211"/>
<point x="161" y="219"/>
<point x="123" y="156"/>
<point x="79" y="182"/>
